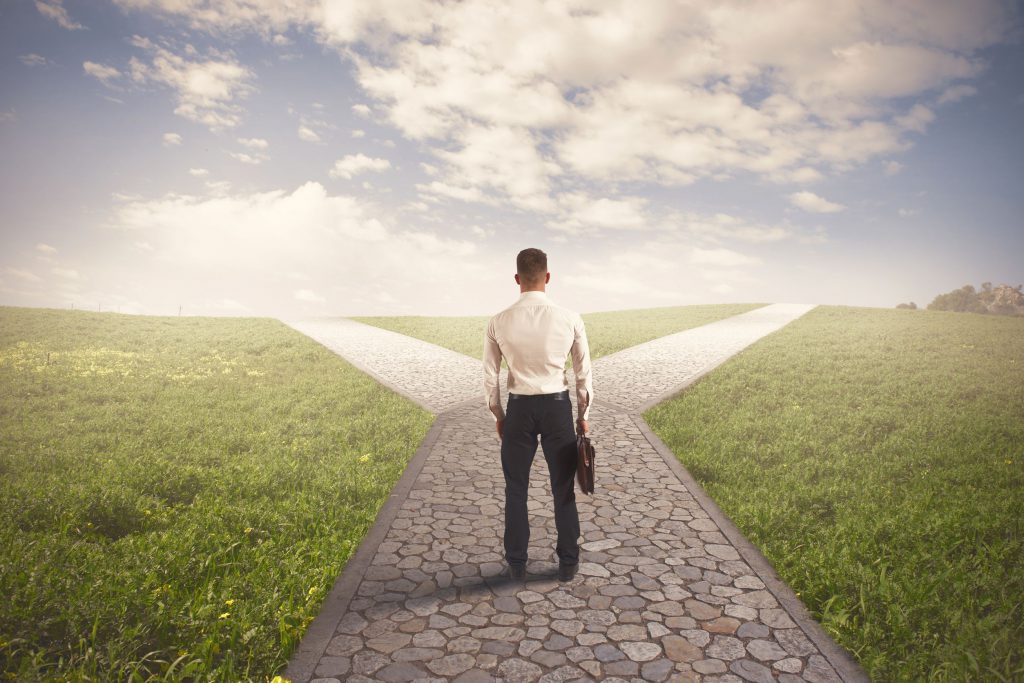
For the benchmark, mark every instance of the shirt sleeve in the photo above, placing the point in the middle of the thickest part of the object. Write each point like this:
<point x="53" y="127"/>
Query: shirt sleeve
<point x="492" y="371"/>
<point x="581" y="365"/>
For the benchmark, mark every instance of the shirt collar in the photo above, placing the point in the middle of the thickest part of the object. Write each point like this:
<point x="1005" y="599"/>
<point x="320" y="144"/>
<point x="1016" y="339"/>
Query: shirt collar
<point x="533" y="293"/>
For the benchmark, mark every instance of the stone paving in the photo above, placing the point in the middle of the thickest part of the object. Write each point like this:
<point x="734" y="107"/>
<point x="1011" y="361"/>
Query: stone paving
<point x="661" y="593"/>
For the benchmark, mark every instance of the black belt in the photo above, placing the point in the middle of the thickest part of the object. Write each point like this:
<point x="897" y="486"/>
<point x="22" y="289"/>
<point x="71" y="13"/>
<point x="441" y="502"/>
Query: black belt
<point x="559" y="396"/>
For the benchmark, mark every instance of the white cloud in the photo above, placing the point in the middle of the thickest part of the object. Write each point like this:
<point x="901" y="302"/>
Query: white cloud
<point x="893" y="167"/>
<point x="249" y="227"/>
<point x="54" y="9"/>
<point x="623" y="284"/>
<point x="956" y="93"/>
<point x="308" y="134"/>
<point x="254" y="143"/>
<point x="907" y="213"/>
<point x="522" y="103"/>
<point x="101" y="72"/>
<point x="722" y="227"/>
<point x="68" y="273"/>
<point x="721" y="257"/>
<point x="22" y="274"/>
<point x="504" y="161"/>
<point x="581" y="213"/>
<point x="917" y="119"/>
<point x="482" y="233"/>
<point x="808" y="201"/>
<point x="33" y="59"/>
<point x="8" y="116"/>
<point x="353" y="164"/>
<point x="218" y="187"/>
<point x="198" y="172"/>
<point x="227" y="305"/>
<point x="46" y="248"/>
<point x="358" y="133"/>
<point x="257" y="151"/>
<point x="246" y="158"/>
<point x="802" y="176"/>
<point x="171" y="139"/>
<point x="206" y="89"/>
<point x="308" y="295"/>
<point x="259" y="240"/>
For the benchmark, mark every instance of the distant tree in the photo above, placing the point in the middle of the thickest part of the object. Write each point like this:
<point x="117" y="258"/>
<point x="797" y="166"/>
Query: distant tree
<point x="1001" y="300"/>
<point x="1007" y="300"/>
<point x="964" y="299"/>
<point x="912" y="306"/>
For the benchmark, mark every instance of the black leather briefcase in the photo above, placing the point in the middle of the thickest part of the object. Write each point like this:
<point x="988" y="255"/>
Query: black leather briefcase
<point x="585" y="463"/>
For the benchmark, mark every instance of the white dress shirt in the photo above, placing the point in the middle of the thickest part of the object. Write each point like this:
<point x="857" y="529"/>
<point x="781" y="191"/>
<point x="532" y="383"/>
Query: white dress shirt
<point x="534" y="335"/>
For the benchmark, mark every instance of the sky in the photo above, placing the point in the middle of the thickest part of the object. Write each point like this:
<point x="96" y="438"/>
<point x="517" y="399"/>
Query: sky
<point x="391" y="157"/>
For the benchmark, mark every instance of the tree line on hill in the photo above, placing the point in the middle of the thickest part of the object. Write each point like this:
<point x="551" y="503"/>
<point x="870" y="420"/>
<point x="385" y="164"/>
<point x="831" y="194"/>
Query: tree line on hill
<point x="1000" y="300"/>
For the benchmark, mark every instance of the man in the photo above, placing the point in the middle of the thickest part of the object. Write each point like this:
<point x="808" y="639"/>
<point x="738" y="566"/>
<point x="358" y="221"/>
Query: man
<point x="534" y="335"/>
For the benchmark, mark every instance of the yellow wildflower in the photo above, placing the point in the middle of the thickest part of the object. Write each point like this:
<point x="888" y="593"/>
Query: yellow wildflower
<point x="229" y="602"/>
<point x="248" y="529"/>
<point x="225" y="615"/>
<point x="364" y="458"/>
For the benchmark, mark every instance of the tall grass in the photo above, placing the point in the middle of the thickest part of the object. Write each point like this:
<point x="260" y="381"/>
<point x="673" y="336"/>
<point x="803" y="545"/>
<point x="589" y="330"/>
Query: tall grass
<point x="179" y="493"/>
<point x="877" y="459"/>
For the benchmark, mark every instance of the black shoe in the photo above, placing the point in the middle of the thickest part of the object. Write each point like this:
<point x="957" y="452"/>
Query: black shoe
<point x="567" y="571"/>
<point x="517" y="571"/>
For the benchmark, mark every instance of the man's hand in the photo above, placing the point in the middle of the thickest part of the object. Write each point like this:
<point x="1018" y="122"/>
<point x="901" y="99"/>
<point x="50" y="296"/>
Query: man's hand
<point x="499" y="425"/>
<point x="582" y="426"/>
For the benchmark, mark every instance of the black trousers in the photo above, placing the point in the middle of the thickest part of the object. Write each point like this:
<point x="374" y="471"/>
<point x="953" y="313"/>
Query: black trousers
<point x="526" y="416"/>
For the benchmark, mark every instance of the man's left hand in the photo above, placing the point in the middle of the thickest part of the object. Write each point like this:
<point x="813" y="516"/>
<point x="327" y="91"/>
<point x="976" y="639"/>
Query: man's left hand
<point x="498" y="425"/>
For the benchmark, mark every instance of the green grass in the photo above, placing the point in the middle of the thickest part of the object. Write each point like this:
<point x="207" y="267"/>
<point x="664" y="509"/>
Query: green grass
<point x="179" y="493"/>
<point x="877" y="459"/>
<point x="607" y="331"/>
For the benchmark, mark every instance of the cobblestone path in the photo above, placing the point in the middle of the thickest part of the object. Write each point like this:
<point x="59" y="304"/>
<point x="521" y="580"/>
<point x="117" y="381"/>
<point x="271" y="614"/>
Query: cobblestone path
<point x="667" y="590"/>
<point x="640" y="376"/>
<point x="435" y="377"/>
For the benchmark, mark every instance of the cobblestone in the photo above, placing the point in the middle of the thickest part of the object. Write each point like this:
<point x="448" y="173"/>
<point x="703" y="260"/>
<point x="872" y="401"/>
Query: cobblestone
<point x="660" y="593"/>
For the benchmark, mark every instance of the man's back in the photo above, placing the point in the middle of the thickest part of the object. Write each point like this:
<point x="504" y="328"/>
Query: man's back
<point x="534" y="335"/>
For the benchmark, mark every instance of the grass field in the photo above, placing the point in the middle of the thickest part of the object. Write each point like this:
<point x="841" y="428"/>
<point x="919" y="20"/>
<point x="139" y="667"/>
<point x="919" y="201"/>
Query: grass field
<point x="179" y="493"/>
<point x="877" y="459"/>
<point x="607" y="332"/>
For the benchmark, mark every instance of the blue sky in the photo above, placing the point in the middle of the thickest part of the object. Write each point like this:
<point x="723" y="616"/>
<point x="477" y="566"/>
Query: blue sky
<point x="309" y="158"/>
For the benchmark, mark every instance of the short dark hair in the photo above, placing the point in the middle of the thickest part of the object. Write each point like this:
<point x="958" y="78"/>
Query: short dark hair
<point x="532" y="265"/>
